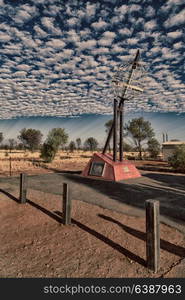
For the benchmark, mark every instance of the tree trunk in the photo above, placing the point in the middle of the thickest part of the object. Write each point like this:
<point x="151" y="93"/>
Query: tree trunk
<point x="140" y="151"/>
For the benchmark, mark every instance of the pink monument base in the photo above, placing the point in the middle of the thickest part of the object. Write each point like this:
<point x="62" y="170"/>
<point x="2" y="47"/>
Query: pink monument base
<point x="102" y="166"/>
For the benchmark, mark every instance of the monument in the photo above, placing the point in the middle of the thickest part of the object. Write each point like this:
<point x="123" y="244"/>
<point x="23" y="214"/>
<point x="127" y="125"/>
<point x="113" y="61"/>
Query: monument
<point x="104" y="165"/>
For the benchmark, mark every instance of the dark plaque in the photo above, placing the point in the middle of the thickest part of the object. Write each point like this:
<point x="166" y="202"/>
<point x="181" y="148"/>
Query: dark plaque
<point x="97" y="168"/>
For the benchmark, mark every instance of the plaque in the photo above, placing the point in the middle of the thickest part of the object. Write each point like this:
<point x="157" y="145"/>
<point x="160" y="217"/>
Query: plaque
<point x="97" y="169"/>
<point x="126" y="169"/>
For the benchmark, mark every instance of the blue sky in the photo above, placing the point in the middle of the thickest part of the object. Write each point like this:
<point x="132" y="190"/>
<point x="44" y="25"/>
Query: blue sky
<point x="57" y="60"/>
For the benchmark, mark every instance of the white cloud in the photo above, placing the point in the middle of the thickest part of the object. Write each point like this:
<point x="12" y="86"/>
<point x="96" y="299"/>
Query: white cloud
<point x="101" y="50"/>
<point x="149" y="11"/>
<point x="56" y="44"/>
<point x="99" y="25"/>
<point x="155" y="50"/>
<point x="105" y="42"/>
<point x="29" y="42"/>
<point x="117" y="49"/>
<point x="169" y="5"/>
<point x="132" y="41"/>
<point x="176" y="19"/>
<point x="22" y="16"/>
<point x="150" y="25"/>
<point x="134" y="7"/>
<point x="67" y="53"/>
<point x="4" y="37"/>
<point x="30" y="9"/>
<point x="107" y="38"/>
<point x="125" y="31"/>
<point x="178" y="45"/>
<point x="48" y="22"/>
<point x="87" y="44"/>
<point x="73" y="36"/>
<point x="68" y="66"/>
<point x="19" y="74"/>
<point x="72" y="21"/>
<point x="175" y="34"/>
<point x="40" y="32"/>
<point x="50" y="68"/>
<point x="109" y="34"/>
<point x="23" y="67"/>
<point x="123" y="9"/>
<point x="91" y="9"/>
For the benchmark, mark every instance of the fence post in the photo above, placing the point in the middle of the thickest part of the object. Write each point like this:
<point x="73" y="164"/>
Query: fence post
<point x="10" y="163"/>
<point x="152" y="234"/>
<point x="66" y="204"/>
<point x="23" y="187"/>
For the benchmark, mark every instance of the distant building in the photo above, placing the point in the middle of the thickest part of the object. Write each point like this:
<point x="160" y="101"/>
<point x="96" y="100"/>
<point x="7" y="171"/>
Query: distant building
<point x="168" y="148"/>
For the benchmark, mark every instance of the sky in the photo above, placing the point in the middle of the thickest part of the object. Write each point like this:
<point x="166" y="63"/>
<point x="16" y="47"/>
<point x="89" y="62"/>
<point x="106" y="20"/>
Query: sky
<point x="58" y="59"/>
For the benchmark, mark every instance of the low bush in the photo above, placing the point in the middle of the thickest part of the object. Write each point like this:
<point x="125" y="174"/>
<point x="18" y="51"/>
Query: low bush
<point x="177" y="160"/>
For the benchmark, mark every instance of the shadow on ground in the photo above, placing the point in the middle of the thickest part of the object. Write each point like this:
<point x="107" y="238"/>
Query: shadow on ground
<point x="58" y="217"/>
<point x="168" y="189"/>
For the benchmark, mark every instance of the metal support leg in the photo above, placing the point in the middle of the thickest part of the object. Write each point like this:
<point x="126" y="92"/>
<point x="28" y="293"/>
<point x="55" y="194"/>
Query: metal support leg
<point x="115" y="130"/>
<point x="121" y="133"/>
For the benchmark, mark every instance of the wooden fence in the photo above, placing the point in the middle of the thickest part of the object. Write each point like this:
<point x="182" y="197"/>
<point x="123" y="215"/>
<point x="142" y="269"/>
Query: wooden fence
<point x="152" y="221"/>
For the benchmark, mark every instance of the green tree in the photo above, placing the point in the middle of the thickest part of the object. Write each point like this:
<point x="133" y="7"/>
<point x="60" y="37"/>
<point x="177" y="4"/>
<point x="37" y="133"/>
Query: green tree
<point x="140" y="131"/>
<point x="31" y="138"/>
<point x="79" y="143"/>
<point x="177" y="160"/>
<point x="48" y="152"/>
<point x="56" y="137"/>
<point x="72" y="146"/>
<point x="90" y="144"/>
<point x="20" y="146"/>
<point x="154" y="147"/>
<point x="108" y="125"/>
<point x="127" y="147"/>
<point x="12" y="144"/>
<point x="1" y="137"/>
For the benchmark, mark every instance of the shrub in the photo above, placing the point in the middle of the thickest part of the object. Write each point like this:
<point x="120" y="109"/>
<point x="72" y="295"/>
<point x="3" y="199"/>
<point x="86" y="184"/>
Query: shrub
<point x="177" y="160"/>
<point x="153" y="148"/>
<point x="48" y="152"/>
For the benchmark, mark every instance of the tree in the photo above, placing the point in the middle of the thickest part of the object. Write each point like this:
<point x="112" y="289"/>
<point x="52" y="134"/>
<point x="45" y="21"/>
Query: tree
<point x="78" y="142"/>
<point x="91" y="144"/>
<point x="1" y="137"/>
<point x="48" y="152"/>
<point x="12" y="144"/>
<point x="20" y="146"/>
<point x="72" y="146"/>
<point x="154" y="147"/>
<point x="31" y="138"/>
<point x="108" y="125"/>
<point x="56" y="137"/>
<point x="127" y="147"/>
<point x="140" y="131"/>
<point x="177" y="160"/>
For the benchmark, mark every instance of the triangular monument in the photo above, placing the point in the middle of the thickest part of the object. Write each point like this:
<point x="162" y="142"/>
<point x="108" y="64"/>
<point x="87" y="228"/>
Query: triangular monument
<point x="107" y="166"/>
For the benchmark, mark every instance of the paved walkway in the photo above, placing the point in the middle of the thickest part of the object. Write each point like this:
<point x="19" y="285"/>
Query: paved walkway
<point x="126" y="196"/>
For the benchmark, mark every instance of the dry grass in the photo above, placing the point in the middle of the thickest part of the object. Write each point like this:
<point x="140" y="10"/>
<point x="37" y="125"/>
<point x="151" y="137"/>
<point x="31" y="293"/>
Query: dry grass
<point x="30" y="162"/>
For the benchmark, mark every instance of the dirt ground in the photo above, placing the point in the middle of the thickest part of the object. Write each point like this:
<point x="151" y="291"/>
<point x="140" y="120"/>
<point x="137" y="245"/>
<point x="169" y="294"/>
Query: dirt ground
<point x="99" y="242"/>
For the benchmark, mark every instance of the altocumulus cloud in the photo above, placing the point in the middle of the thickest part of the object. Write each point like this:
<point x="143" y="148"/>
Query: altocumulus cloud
<point x="58" y="57"/>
